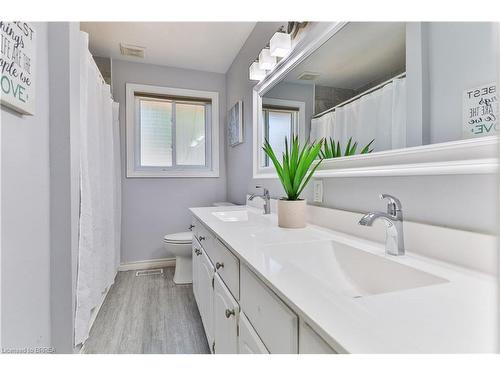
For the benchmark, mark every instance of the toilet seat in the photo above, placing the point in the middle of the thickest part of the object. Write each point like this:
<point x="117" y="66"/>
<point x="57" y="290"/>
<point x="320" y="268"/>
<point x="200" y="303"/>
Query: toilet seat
<point x="180" y="238"/>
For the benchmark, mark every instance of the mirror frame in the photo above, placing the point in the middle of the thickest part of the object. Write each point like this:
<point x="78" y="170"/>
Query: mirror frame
<point x="467" y="156"/>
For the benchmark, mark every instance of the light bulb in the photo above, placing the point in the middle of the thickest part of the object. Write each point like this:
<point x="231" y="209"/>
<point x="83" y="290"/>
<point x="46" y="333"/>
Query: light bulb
<point x="280" y="44"/>
<point x="256" y="73"/>
<point x="266" y="61"/>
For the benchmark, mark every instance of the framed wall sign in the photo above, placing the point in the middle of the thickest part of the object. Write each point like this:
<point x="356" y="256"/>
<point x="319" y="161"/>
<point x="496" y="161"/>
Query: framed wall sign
<point x="17" y="66"/>
<point x="235" y="124"/>
<point x="480" y="111"/>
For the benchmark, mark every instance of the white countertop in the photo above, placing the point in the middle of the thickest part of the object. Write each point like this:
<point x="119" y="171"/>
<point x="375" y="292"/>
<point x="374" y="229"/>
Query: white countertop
<point x="457" y="316"/>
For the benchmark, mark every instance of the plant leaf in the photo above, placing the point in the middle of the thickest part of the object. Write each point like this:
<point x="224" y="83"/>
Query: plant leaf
<point x="313" y="151"/>
<point x="348" y="147"/>
<point x="366" y="149"/>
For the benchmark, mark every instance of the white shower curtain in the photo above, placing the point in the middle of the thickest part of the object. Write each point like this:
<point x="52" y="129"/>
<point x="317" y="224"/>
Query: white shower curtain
<point x="321" y="127"/>
<point x="380" y="115"/>
<point x="100" y="206"/>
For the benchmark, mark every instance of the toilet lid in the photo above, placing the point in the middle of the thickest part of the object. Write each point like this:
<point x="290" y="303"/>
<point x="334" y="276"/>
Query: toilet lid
<point x="182" y="237"/>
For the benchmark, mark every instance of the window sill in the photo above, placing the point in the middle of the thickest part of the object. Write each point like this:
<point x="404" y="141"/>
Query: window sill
<point x="173" y="174"/>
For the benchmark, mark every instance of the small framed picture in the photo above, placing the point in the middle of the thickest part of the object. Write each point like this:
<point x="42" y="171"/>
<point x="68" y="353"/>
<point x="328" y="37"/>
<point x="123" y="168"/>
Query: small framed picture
<point x="235" y="124"/>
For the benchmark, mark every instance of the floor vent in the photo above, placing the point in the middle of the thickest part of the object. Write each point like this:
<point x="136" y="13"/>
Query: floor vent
<point x="156" y="271"/>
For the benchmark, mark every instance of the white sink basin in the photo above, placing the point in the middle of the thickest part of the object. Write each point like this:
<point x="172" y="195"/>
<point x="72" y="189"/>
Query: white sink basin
<point x="351" y="271"/>
<point x="236" y="215"/>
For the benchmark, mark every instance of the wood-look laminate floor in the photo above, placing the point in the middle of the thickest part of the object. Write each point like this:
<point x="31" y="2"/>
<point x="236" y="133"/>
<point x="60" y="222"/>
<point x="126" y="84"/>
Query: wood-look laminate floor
<point x="148" y="314"/>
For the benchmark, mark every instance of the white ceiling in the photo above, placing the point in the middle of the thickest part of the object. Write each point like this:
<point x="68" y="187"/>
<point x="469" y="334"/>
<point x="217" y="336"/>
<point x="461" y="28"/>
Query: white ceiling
<point x="206" y="46"/>
<point x="360" y="53"/>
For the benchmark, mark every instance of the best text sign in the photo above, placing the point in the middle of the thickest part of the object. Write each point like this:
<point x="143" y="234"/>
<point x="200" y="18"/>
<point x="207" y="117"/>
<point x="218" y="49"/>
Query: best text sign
<point x="480" y="110"/>
<point x="17" y="66"/>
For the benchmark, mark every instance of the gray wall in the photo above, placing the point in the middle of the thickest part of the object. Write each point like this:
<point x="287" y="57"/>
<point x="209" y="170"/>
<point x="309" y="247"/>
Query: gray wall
<point x="64" y="72"/>
<point x="25" y="216"/>
<point x="153" y="207"/>
<point x="462" y="55"/>
<point x="239" y="87"/>
<point x="464" y="202"/>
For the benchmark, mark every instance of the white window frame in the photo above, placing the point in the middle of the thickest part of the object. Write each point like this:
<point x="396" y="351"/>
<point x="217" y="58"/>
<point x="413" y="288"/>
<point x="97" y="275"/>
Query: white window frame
<point x="133" y="140"/>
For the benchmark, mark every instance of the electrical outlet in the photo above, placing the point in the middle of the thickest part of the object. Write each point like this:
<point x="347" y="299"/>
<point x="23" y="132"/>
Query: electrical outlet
<point x="318" y="191"/>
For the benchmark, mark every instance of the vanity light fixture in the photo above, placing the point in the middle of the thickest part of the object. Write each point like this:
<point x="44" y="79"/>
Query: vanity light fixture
<point x="266" y="61"/>
<point x="255" y="72"/>
<point x="280" y="44"/>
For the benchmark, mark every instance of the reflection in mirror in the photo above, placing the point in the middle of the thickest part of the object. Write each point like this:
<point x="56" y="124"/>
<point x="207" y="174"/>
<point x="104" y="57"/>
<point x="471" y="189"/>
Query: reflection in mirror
<point x="286" y="109"/>
<point x="359" y="80"/>
<point x="399" y="84"/>
<point x="279" y="123"/>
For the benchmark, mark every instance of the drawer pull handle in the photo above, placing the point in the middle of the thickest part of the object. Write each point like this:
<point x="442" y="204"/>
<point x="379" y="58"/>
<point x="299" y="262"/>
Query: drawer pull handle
<point x="219" y="265"/>
<point x="201" y="238"/>
<point x="191" y="226"/>
<point x="197" y="251"/>
<point x="229" y="313"/>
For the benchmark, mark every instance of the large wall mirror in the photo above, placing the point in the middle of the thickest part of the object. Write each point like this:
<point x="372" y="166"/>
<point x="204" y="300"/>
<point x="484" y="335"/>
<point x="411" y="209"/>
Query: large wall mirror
<point x="420" y="96"/>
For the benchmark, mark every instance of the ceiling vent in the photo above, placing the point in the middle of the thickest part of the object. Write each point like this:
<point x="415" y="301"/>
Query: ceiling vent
<point x="131" y="50"/>
<point x="308" y="76"/>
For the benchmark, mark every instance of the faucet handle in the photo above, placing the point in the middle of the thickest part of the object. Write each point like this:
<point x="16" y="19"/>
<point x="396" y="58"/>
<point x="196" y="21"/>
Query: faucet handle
<point x="394" y="206"/>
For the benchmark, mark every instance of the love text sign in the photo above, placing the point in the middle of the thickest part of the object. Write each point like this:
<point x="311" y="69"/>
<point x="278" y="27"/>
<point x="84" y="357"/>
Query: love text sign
<point x="17" y="66"/>
<point x="480" y="111"/>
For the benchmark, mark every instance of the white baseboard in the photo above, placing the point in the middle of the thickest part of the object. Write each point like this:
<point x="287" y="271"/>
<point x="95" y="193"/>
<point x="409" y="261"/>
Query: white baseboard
<point x="146" y="264"/>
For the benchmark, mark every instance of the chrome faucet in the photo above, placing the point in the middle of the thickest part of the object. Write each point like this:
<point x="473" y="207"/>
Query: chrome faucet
<point x="266" y="197"/>
<point x="394" y="236"/>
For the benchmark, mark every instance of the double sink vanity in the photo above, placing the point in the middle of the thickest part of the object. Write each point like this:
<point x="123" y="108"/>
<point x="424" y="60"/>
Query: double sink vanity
<point x="334" y="286"/>
<point x="264" y="289"/>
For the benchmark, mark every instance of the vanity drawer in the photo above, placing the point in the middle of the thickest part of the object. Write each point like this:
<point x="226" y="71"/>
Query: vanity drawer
<point x="273" y="321"/>
<point x="228" y="268"/>
<point x="205" y="238"/>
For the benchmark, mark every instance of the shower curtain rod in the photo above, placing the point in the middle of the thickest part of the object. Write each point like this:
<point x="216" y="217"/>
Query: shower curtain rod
<point x="370" y="90"/>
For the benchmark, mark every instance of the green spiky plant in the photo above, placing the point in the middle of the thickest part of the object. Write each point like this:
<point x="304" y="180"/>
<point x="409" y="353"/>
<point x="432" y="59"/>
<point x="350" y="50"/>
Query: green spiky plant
<point x="293" y="171"/>
<point x="334" y="150"/>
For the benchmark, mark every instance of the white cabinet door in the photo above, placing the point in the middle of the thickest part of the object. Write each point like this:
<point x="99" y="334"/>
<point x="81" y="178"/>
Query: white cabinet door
<point x="196" y="256"/>
<point x="248" y="340"/>
<point x="312" y="343"/>
<point x="226" y="312"/>
<point x="206" y="296"/>
<point x="275" y="323"/>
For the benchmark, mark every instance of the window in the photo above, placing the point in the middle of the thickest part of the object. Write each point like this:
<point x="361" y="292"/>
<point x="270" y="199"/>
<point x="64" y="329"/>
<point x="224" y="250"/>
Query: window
<point x="159" y="120"/>
<point x="171" y="132"/>
<point x="279" y="122"/>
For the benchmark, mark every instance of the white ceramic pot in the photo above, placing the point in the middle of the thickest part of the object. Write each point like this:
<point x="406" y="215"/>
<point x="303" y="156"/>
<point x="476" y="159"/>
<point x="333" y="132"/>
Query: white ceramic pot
<point x="292" y="214"/>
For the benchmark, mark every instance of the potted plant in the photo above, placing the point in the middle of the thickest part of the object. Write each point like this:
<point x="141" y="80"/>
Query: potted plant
<point x="294" y="175"/>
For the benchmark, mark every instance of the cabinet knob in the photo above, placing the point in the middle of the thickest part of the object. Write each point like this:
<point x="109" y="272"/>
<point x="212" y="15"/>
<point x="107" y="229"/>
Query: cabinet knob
<point x="191" y="227"/>
<point x="219" y="265"/>
<point x="229" y="313"/>
<point x="201" y="238"/>
<point x="197" y="252"/>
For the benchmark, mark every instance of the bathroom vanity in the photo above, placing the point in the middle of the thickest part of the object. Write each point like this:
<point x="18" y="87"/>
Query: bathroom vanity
<point x="240" y="313"/>
<point x="265" y="289"/>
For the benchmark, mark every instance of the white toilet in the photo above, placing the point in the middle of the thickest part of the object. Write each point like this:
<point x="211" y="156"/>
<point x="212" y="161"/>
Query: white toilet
<point x="180" y="245"/>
